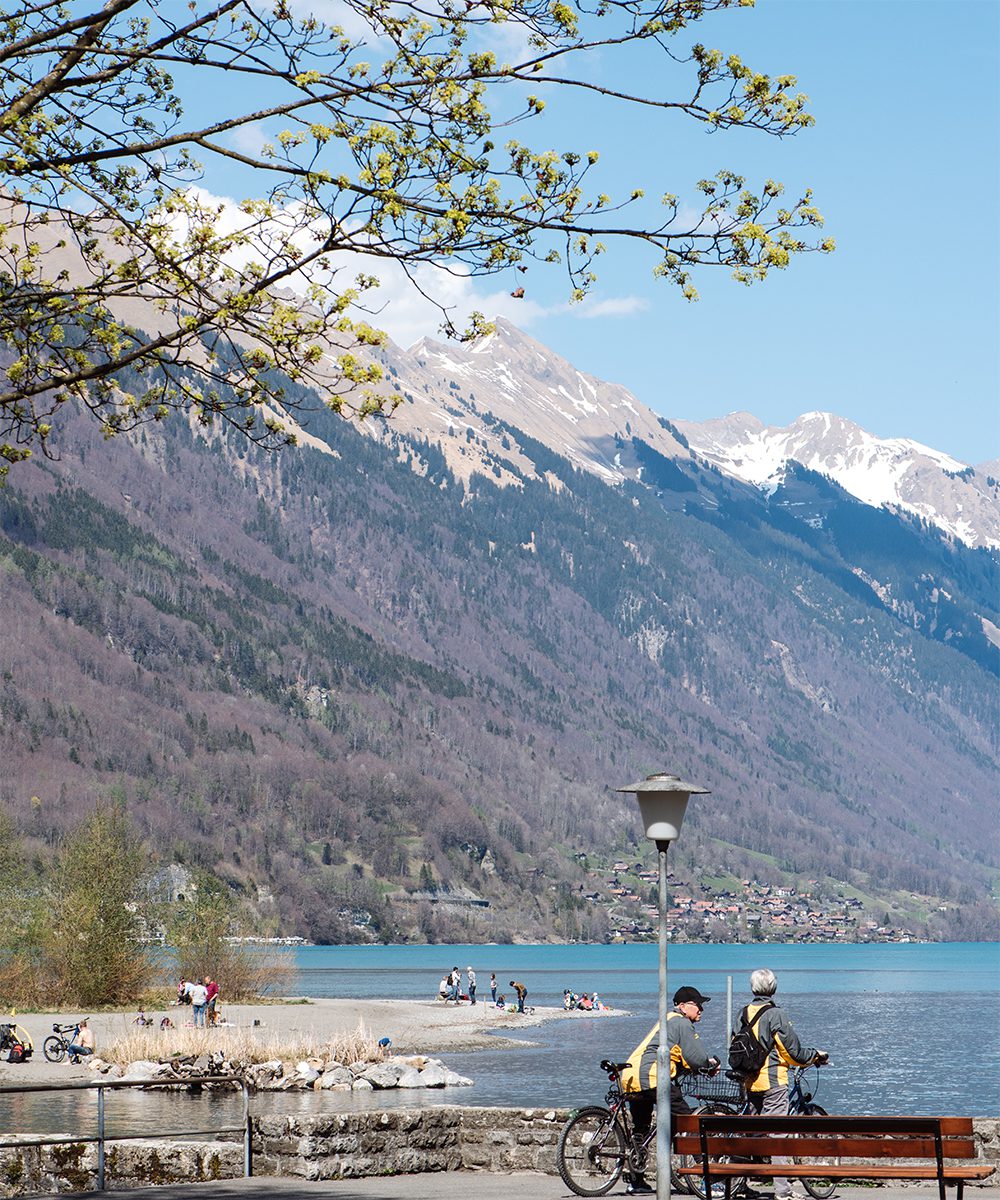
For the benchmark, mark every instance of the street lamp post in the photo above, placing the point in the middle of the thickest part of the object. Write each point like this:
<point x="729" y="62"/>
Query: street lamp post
<point x="662" y="803"/>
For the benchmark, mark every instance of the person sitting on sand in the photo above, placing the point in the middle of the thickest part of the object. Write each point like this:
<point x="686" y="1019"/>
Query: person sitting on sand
<point x="444" y="988"/>
<point x="501" y="1001"/>
<point x="82" y="1043"/>
<point x="166" y="1023"/>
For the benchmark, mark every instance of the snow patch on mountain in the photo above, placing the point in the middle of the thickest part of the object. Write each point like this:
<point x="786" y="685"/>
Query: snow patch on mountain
<point x="883" y="472"/>
<point x="510" y="376"/>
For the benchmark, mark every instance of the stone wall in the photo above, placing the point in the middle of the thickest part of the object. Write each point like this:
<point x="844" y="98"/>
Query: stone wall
<point x="332" y="1146"/>
<point x="30" y="1170"/>
<point x="401" y="1141"/>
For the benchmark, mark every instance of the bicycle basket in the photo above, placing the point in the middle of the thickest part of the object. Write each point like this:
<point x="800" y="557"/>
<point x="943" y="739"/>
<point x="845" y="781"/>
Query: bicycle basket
<point x="715" y="1087"/>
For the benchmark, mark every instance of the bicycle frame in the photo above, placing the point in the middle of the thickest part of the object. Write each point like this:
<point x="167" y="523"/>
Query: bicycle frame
<point x="617" y="1103"/>
<point x="798" y="1097"/>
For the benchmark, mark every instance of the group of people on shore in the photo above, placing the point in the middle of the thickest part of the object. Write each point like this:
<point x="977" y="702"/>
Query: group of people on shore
<point x="767" y="1091"/>
<point x="203" y="996"/>
<point x="450" y="989"/>
<point x="588" y="1002"/>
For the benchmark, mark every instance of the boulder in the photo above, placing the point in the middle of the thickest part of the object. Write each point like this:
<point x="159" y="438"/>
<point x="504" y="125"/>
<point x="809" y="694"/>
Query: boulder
<point x="335" y="1076"/>
<point x="383" y="1075"/>
<point x="260" y="1075"/>
<point x="362" y="1085"/>
<point x="433" y="1075"/>
<point x="143" y="1068"/>
<point x="306" y="1073"/>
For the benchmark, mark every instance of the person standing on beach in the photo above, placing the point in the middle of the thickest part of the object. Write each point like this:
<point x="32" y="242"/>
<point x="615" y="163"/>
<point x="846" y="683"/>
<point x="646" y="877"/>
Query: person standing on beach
<point x="493" y="987"/>
<point x="471" y="976"/>
<point x="768" y="1092"/>
<point x="456" y="983"/>
<point x="199" y="1002"/>
<point x="212" y="992"/>
<point x="687" y="1056"/>
<point x="522" y="992"/>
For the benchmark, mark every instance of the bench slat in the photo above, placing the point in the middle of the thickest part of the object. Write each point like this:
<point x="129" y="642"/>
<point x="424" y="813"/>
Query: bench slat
<point x="829" y="1124"/>
<point x="950" y="1126"/>
<point x="841" y="1171"/>
<point x="822" y="1145"/>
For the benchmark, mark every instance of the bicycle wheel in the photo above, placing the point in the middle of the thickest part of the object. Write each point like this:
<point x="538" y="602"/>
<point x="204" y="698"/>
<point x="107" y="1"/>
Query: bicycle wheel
<point x="696" y="1183"/>
<point x="591" y="1152"/>
<point x="819" y="1188"/>
<point x="54" y="1048"/>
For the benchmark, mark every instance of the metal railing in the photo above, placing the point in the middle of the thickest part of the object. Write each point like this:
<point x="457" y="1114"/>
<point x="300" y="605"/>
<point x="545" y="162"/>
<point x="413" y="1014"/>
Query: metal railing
<point x="102" y="1138"/>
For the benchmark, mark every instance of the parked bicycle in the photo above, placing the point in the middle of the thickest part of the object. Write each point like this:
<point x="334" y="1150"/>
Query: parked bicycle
<point x="59" y="1041"/>
<point x="597" y="1143"/>
<point x="729" y="1099"/>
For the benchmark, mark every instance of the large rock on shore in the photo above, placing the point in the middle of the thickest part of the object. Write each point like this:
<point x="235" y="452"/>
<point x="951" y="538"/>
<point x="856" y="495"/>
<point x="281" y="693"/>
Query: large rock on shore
<point x="317" y="1074"/>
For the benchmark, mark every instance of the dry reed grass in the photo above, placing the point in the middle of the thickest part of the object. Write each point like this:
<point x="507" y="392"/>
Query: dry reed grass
<point x="246" y="1046"/>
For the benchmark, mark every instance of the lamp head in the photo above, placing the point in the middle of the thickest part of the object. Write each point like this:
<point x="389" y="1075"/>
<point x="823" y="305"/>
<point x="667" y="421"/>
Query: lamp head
<point x="663" y="802"/>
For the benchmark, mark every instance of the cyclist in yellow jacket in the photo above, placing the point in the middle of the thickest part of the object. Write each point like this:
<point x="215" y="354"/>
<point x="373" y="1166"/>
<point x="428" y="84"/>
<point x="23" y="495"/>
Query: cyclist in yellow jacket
<point x="768" y="1092"/>
<point x="687" y="1057"/>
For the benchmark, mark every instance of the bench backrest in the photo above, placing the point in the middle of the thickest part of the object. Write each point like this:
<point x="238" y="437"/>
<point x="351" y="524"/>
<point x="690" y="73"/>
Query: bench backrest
<point x="825" y="1137"/>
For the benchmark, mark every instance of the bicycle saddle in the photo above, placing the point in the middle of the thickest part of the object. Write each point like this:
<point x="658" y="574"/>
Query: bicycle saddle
<point x="609" y="1066"/>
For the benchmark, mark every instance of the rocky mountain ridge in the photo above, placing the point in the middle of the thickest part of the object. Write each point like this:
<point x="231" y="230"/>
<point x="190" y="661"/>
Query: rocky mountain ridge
<point x="411" y="661"/>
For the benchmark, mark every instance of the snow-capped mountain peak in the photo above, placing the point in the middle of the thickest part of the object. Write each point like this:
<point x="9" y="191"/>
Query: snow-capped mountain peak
<point x="883" y="472"/>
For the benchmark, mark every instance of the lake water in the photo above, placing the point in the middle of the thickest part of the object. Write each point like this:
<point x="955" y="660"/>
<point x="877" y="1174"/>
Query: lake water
<point x="910" y="1028"/>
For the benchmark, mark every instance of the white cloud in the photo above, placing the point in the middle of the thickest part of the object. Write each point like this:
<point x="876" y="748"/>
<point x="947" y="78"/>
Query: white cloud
<point x="613" y="306"/>
<point x="408" y="306"/>
<point x="249" y="139"/>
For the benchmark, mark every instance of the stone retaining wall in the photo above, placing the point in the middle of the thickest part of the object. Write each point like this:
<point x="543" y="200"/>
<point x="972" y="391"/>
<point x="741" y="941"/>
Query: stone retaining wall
<point x="30" y="1170"/>
<point x="400" y="1141"/>
<point x="332" y="1146"/>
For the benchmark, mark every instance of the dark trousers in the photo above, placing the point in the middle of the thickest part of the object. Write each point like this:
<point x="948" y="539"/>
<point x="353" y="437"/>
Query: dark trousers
<point x="642" y="1104"/>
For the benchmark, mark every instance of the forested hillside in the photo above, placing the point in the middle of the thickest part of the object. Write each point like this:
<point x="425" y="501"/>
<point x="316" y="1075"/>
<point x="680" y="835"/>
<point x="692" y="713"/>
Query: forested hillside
<point x="353" y="686"/>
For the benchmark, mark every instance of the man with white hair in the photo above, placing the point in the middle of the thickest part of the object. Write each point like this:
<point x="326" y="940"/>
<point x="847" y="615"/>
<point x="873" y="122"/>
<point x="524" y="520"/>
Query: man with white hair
<point x="768" y="1090"/>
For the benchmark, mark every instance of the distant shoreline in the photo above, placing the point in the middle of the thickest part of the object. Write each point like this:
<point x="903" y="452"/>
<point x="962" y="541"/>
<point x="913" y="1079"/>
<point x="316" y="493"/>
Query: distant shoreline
<point x="413" y="1027"/>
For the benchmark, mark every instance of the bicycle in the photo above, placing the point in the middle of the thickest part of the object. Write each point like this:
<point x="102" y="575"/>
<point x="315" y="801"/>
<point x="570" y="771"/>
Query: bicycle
<point x="735" y="1102"/>
<point x="57" y="1044"/>
<point x="596" y="1143"/>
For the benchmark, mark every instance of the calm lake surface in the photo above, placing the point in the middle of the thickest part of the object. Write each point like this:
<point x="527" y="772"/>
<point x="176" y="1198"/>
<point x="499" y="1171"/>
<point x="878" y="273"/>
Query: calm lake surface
<point x="910" y="1028"/>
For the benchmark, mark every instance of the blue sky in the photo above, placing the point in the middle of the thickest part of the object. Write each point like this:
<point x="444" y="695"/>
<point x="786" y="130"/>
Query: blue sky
<point x="898" y="330"/>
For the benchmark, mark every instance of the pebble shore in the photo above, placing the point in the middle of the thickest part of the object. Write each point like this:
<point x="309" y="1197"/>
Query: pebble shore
<point x="414" y="1027"/>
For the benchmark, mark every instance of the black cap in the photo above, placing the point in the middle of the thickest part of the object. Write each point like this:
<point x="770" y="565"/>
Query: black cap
<point x="685" y="994"/>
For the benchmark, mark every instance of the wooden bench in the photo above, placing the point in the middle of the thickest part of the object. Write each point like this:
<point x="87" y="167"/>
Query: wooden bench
<point x="934" y="1148"/>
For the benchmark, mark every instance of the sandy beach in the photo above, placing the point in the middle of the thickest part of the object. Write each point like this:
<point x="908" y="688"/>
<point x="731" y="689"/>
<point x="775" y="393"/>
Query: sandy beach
<point x="414" y="1027"/>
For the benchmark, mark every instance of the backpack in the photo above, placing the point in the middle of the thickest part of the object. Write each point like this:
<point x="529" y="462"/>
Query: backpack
<point x="747" y="1054"/>
<point x="17" y="1054"/>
